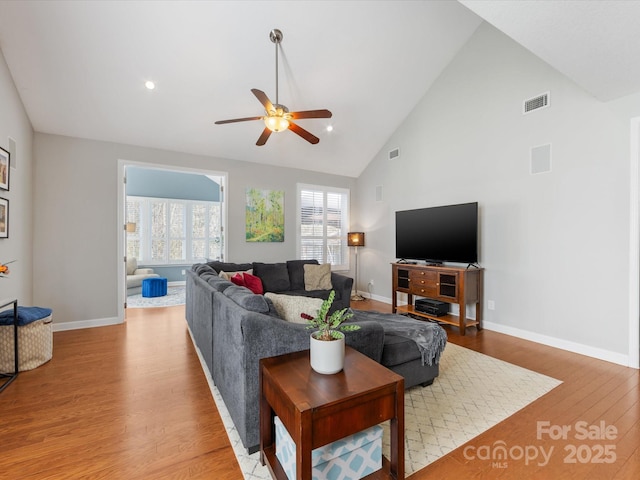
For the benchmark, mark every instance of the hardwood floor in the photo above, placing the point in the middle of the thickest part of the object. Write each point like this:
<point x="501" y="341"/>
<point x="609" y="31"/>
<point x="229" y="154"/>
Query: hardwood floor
<point x="131" y="401"/>
<point x="120" y="402"/>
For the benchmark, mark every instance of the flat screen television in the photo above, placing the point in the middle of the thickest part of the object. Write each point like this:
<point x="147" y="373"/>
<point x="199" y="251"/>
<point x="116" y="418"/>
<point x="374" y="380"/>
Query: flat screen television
<point x="448" y="233"/>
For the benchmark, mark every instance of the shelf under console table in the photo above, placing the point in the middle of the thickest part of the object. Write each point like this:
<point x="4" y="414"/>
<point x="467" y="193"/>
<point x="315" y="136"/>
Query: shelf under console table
<point x="456" y="285"/>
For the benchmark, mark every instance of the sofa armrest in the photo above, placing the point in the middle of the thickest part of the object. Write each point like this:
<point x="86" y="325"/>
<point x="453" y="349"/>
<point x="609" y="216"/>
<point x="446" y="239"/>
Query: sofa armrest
<point x="143" y="271"/>
<point x="342" y="285"/>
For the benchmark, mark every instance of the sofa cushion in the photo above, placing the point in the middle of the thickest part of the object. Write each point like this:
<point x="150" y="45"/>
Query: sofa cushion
<point x="296" y="272"/>
<point x="317" y="277"/>
<point x="202" y="268"/>
<point x="218" y="283"/>
<point x="323" y="294"/>
<point x="274" y="276"/>
<point x="398" y="350"/>
<point x="229" y="267"/>
<point x="247" y="299"/>
<point x="289" y="307"/>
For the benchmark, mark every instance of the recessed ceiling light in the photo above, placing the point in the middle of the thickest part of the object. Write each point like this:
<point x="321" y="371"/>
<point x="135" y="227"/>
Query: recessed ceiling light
<point x="329" y="128"/>
<point x="150" y="85"/>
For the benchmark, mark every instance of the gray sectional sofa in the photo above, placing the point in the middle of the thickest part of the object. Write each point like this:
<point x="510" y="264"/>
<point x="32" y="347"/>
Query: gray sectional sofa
<point x="234" y="328"/>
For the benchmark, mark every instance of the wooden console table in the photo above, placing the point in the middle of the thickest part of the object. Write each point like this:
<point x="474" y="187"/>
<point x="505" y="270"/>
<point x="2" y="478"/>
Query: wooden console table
<point x="457" y="285"/>
<point x="319" y="409"/>
<point x="11" y="376"/>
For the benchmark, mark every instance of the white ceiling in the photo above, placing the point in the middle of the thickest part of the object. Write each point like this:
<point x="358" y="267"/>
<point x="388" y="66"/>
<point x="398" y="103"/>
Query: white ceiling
<point x="80" y="66"/>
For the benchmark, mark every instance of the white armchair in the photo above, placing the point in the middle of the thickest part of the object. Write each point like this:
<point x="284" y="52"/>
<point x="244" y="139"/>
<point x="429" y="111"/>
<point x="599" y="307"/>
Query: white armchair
<point x="136" y="275"/>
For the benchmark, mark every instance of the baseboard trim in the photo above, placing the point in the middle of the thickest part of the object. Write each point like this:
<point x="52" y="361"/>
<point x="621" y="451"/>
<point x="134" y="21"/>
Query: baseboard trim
<point x="593" y="352"/>
<point x="99" y="322"/>
<point x="573" y="347"/>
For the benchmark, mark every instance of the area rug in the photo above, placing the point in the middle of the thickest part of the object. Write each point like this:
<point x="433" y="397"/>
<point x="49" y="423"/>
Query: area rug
<point x="175" y="296"/>
<point x="473" y="393"/>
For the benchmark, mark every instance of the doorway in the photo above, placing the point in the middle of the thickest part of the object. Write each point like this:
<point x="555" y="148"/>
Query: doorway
<point x="634" y="247"/>
<point x="170" y="218"/>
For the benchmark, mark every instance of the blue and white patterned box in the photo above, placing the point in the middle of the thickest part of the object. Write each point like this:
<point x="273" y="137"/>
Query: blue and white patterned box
<point x="350" y="458"/>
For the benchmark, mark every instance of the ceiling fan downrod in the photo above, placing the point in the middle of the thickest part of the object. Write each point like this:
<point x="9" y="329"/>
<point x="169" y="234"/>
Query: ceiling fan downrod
<point x="276" y="37"/>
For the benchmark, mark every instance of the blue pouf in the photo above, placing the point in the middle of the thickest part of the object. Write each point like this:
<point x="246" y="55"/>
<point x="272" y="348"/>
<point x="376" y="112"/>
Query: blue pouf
<point x="154" y="287"/>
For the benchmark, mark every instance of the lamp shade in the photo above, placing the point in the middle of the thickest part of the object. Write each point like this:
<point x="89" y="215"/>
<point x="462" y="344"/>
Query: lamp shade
<point x="131" y="227"/>
<point x="355" y="239"/>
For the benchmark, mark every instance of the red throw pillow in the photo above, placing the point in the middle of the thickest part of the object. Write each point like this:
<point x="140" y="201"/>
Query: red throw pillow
<point x="253" y="283"/>
<point x="238" y="280"/>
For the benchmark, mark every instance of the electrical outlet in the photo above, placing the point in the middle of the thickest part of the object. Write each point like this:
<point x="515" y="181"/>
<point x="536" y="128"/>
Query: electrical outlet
<point x="183" y="272"/>
<point x="491" y="305"/>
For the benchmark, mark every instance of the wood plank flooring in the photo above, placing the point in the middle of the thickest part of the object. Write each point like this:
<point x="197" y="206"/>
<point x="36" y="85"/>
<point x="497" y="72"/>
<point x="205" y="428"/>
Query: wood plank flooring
<point x="131" y="401"/>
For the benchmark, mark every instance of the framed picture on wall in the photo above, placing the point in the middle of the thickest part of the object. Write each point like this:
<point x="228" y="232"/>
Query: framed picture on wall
<point x="4" y="169"/>
<point x="4" y="218"/>
<point x="264" y="215"/>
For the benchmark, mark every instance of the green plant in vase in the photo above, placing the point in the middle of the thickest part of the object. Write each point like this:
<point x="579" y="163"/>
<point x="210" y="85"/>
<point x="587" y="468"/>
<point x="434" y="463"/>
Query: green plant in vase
<point x="329" y="326"/>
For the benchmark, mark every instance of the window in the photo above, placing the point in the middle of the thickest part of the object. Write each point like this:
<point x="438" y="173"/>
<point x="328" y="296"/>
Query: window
<point x="170" y="231"/>
<point x="323" y="220"/>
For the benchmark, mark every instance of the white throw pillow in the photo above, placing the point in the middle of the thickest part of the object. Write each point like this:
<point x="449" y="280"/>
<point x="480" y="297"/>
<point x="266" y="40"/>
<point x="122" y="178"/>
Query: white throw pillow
<point x="289" y="307"/>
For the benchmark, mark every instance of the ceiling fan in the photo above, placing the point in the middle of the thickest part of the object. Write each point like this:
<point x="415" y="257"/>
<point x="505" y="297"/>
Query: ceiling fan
<point x="278" y="117"/>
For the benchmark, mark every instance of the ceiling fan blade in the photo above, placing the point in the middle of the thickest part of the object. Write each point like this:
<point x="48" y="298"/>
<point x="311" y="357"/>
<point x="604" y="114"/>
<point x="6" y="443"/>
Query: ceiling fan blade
<point x="264" y="137"/>
<point x="234" y="120"/>
<point x="311" y="114"/>
<point x="309" y="137"/>
<point x="264" y="100"/>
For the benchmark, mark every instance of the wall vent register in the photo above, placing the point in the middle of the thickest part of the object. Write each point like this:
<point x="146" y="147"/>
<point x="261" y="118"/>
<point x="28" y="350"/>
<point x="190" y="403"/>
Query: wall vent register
<point x="536" y="103"/>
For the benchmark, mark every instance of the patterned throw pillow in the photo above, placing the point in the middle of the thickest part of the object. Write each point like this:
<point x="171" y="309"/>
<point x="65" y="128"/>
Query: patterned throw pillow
<point x="289" y="307"/>
<point x="317" y="277"/>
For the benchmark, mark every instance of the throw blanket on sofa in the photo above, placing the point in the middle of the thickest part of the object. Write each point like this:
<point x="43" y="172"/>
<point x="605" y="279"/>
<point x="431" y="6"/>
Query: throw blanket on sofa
<point x="430" y="337"/>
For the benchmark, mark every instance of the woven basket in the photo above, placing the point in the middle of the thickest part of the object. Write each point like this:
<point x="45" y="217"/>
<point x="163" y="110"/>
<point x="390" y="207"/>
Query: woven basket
<point x="35" y="344"/>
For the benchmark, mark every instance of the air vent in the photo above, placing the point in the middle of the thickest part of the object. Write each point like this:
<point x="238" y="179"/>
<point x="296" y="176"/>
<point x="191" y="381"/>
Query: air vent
<point x="393" y="154"/>
<point x="536" y="103"/>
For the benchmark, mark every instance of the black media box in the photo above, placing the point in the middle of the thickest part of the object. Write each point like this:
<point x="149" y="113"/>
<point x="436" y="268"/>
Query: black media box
<point x="432" y="307"/>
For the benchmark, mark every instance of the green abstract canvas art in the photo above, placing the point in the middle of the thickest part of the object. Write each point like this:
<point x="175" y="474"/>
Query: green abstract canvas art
<point x="264" y="215"/>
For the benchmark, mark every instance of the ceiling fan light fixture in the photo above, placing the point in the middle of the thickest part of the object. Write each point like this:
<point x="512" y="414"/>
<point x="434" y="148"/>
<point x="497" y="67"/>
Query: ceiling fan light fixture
<point x="276" y="123"/>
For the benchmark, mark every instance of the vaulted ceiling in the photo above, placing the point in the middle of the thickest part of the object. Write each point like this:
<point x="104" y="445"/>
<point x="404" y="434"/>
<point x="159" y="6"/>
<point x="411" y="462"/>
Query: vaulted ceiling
<point x="80" y="66"/>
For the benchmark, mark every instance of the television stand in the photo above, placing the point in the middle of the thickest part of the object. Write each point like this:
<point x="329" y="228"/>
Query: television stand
<point x="457" y="285"/>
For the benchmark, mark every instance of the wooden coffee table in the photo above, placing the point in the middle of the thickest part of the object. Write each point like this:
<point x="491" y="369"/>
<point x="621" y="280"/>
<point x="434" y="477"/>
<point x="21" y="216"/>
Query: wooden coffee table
<point x="319" y="409"/>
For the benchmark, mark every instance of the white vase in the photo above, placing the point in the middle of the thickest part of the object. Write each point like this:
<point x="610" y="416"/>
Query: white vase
<point x="327" y="356"/>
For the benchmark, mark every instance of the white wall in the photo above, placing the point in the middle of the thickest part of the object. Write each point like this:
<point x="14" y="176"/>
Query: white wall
<point x="555" y="246"/>
<point x="14" y="123"/>
<point x="76" y="228"/>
